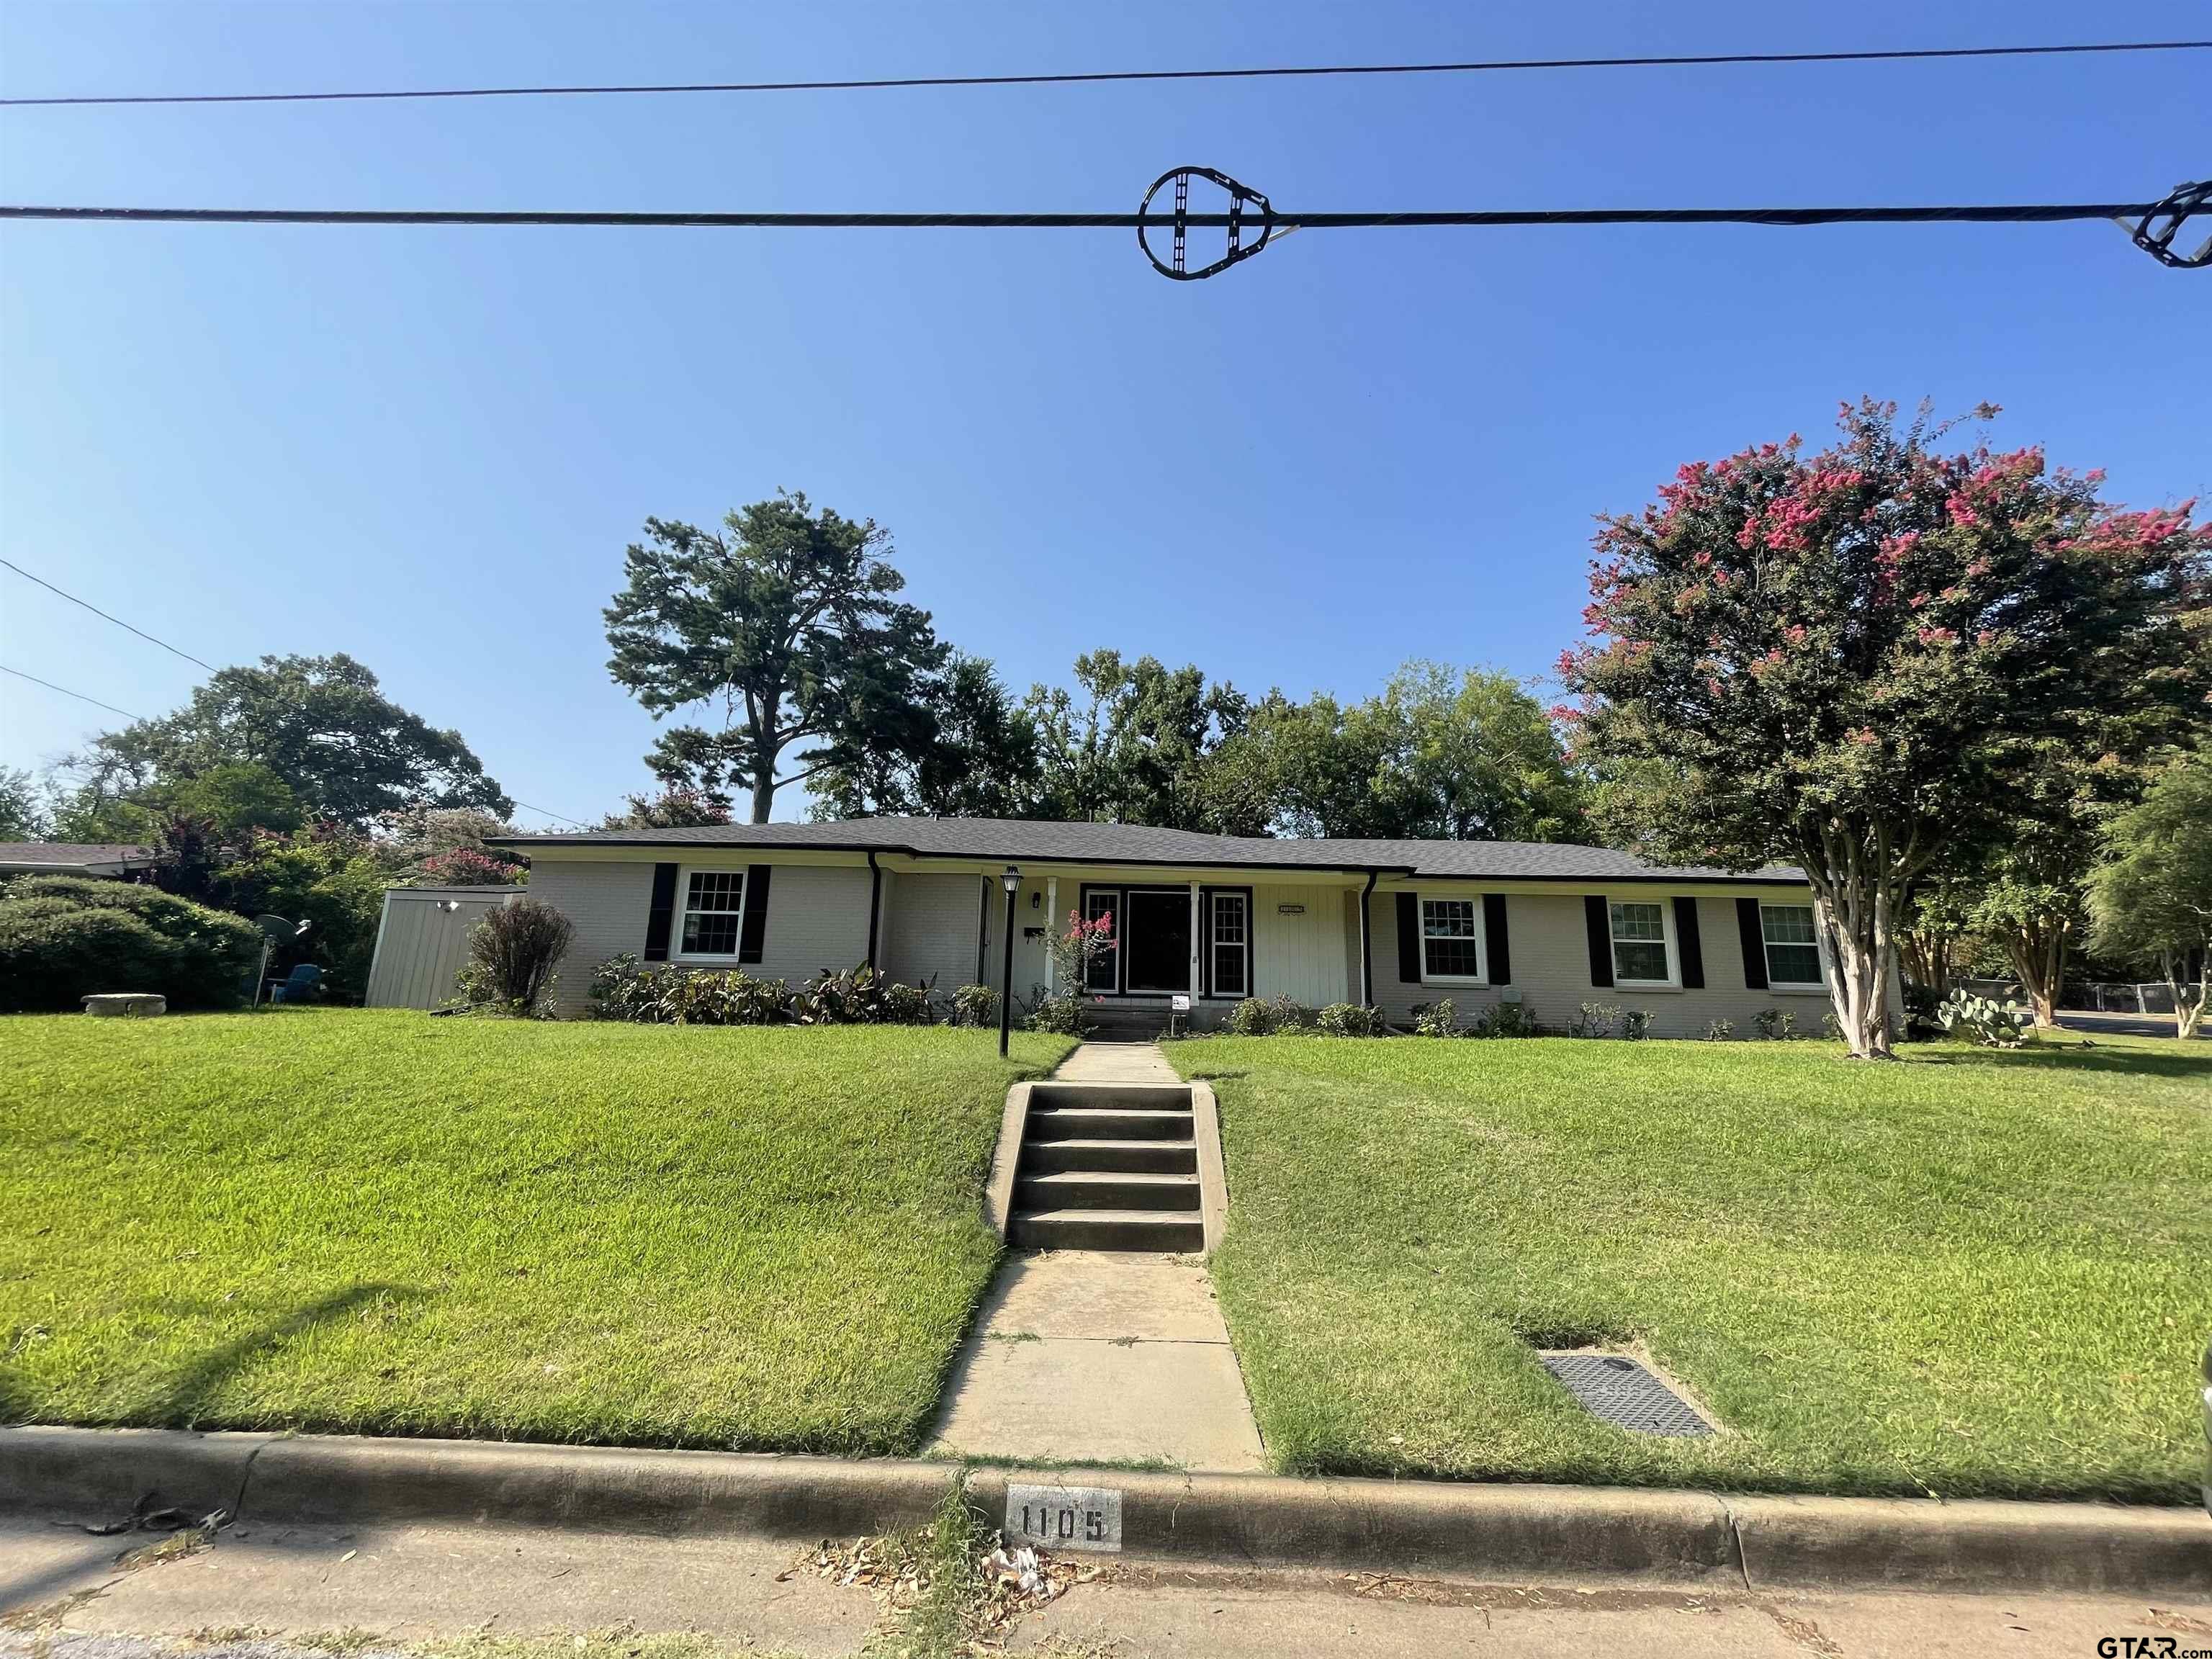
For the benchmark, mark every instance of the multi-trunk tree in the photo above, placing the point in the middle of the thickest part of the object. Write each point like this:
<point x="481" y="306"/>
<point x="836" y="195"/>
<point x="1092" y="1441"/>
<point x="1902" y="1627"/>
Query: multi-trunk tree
<point x="1850" y="660"/>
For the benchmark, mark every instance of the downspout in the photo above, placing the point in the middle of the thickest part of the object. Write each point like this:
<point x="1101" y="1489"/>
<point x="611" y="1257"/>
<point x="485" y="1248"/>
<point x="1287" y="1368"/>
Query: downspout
<point x="875" y="905"/>
<point x="1367" y="945"/>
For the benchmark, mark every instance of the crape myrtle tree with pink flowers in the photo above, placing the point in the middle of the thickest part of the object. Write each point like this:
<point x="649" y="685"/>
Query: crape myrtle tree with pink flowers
<point x="1850" y="661"/>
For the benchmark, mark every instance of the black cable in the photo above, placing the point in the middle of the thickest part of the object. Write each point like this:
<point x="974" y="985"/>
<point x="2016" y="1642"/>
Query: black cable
<point x="1680" y="61"/>
<point x="97" y="611"/>
<point x="542" y="813"/>
<point x="2019" y="213"/>
<point x="66" y="692"/>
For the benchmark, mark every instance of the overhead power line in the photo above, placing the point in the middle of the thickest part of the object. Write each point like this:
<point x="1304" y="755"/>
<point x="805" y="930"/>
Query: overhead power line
<point x="66" y="692"/>
<point x="2154" y="228"/>
<point x="1685" y="60"/>
<point x="558" y="817"/>
<point x="97" y="611"/>
<point x="2003" y="213"/>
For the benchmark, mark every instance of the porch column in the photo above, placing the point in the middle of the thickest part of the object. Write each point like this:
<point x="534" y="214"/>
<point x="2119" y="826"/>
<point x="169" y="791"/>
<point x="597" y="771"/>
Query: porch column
<point x="1051" y="932"/>
<point x="1194" y="944"/>
<point x="1366" y="947"/>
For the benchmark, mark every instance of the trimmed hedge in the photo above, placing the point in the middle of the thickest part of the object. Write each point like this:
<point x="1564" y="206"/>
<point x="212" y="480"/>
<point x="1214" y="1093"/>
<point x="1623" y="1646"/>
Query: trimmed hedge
<point x="66" y="937"/>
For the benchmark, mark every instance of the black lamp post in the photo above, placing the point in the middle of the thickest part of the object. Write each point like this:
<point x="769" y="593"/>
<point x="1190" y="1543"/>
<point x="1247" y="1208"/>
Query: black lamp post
<point x="1013" y="882"/>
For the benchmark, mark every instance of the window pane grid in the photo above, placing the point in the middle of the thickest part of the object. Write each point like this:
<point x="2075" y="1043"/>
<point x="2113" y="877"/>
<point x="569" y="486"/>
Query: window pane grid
<point x="1451" y="939"/>
<point x="1229" y="941"/>
<point x="1103" y="970"/>
<point x="713" y="902"/>
<point x="1639" y="943"/>
<point x="1793" y="957"/>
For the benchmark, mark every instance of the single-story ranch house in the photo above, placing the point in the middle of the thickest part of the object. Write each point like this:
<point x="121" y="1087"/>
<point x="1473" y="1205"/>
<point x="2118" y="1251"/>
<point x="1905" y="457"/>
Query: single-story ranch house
<point x="1395" y="924"/>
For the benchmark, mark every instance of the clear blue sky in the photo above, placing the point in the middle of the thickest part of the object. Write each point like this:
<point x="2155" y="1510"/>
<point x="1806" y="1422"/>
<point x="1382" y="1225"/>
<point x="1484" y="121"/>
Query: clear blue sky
<point x="427" y="448"/>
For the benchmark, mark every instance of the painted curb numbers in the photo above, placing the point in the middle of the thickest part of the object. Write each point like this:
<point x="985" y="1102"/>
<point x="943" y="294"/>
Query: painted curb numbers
<point x="1065" y="1517"/>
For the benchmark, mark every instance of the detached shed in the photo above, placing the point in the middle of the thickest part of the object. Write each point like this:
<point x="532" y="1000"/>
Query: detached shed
<point x="422" y="942"/>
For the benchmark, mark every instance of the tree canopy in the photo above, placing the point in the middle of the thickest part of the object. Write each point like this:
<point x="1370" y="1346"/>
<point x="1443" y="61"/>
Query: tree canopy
<point x="786" y="621"/>
<point x="2151" y="901"/>
<point x="300" y="736"/>
<point x="1851" y="660"/>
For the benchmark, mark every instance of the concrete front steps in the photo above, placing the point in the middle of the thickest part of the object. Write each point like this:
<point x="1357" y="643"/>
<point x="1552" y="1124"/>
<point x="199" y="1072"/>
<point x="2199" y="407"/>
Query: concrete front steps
<point x="1108" y="1166"/>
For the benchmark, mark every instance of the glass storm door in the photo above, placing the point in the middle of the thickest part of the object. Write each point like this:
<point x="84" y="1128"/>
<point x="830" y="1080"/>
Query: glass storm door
<point x="1158" y="944"/>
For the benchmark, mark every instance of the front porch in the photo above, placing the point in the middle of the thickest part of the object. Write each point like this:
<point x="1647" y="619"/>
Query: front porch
<point x="1212" y="937"/>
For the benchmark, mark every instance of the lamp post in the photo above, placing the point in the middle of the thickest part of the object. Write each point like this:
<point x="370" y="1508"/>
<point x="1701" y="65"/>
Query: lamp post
<point x="1013" y="882"/>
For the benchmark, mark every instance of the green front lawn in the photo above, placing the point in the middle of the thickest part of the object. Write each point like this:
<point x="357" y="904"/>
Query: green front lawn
<point x="389" y="1223"/>
<point x="1970" y="1273"/>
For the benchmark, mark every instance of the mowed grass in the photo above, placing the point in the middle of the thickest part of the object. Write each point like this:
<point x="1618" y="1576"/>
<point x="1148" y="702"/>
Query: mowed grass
<point x="1969" y="1273"/>
<point x="387" y="1223"/>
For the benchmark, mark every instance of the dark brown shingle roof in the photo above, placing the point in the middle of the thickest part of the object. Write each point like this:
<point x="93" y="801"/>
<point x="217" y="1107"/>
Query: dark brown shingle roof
<point x="1015" y="839"/>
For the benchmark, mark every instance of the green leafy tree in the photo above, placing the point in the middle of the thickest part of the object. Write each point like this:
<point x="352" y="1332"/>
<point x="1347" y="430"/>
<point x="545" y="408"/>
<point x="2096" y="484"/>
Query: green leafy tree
<point x="22" y="816"/>
<point x="1131" y="743"/>
<point x="235" y="800"/>
<point x="2029" y="879"/>
<point x="675" y="807"/>
<point x="1442" y="753"/>
<point x="2151" y="901"/>
<point x="963" y="748"/>
<point x="1849" y="661"/>
<point x="318" y="725"/>
<point x="327" y="876"/>
<point x="786" y="622"/>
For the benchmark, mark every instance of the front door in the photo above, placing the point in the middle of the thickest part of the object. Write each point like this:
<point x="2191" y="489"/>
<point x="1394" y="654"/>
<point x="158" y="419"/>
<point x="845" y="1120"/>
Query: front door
<point x="1158" y="939"/>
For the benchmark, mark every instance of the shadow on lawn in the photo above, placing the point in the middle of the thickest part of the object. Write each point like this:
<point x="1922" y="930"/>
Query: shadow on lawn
<point x="2132" y="1062"/>
<point x="180" y="1403"/>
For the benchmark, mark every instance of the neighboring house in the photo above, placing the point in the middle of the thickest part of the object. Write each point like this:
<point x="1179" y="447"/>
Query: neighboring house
<point x="1216" y="918"/>
<point x="73" y="858"/>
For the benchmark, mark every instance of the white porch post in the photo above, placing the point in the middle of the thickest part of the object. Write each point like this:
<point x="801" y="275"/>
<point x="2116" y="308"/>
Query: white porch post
<point x="1194" y="941"/>
<point x="1051" y="932"/>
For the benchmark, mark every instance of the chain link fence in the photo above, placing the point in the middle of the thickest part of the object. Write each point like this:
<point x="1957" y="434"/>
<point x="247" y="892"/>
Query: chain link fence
<point x="2143" y="997"/>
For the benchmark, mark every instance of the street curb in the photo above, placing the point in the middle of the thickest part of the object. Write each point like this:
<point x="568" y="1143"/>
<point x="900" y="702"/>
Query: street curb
<point x="1406" y="1528"/>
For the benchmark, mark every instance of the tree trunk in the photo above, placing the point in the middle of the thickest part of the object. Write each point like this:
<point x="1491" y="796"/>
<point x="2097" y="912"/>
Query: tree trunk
<point x="763" y="793"/>
<point x="2188" y="1016"/>
<point x="1858" y="889"/>
<point x="2038" y="957"/>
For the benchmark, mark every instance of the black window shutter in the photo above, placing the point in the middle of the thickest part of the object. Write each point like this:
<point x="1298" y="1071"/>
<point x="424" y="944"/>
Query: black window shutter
<point x="1754" y="943"/>
<point x="755" y="926"/>
<point x="1493" y="936"/>
<point x="1690" y="950"/>
<point x="662" y="912"/>
<point x="1409" y="938"/>
<point x="1597" y="919"/>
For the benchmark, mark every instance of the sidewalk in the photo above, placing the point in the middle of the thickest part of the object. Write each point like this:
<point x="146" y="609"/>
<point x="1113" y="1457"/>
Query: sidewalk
<point x="1098" y="1358"/>
<point x="1117" y="1062"/>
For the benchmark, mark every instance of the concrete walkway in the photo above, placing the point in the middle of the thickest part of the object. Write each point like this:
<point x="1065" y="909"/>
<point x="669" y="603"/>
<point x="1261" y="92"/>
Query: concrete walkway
<point x="1091" y="1357"/>
<point x="1117" y="1062"/>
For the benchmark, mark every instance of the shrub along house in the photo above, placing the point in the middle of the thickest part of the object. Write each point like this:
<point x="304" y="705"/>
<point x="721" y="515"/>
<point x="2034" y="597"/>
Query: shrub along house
<point x="1395" y="924"/>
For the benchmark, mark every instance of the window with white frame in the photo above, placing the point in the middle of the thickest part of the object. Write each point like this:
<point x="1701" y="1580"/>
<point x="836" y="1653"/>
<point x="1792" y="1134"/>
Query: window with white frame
<point x="1103" y="971"/>
<point x="1451" y="939"/>
<point x="1640" y="956"/>
<point x="1793" y="954"/>
<point x="713" y="912"/>
<point x="1232" y="942"/>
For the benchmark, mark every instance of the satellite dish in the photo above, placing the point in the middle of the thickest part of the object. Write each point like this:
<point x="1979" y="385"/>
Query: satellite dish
<point x="281" y="928"/>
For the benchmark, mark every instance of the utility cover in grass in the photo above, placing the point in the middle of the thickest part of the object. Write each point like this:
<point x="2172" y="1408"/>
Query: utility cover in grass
<point x="1617" y="1389"/>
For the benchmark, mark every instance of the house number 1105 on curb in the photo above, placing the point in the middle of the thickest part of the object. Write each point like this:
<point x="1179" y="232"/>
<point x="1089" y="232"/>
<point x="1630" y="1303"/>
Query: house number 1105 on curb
<point x="1065" y="1517"/>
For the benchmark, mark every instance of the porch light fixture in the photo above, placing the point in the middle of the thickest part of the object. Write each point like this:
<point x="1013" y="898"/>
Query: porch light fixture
<point x="1012" y="881"/>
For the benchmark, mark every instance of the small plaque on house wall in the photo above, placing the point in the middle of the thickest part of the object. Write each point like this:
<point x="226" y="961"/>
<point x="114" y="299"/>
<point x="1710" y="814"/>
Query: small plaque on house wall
<point x="1290" y="909"/>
